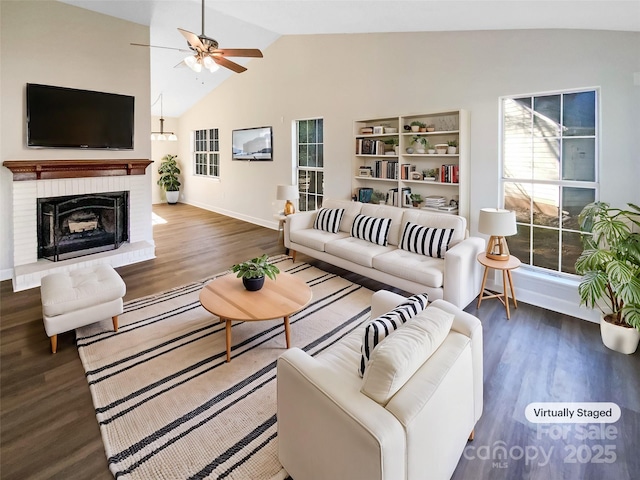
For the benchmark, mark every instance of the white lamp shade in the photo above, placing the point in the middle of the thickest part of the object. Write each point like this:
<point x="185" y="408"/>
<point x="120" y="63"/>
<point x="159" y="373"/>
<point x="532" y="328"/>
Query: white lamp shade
<point x="288" y="192"/>
<point x="497" y="222"/>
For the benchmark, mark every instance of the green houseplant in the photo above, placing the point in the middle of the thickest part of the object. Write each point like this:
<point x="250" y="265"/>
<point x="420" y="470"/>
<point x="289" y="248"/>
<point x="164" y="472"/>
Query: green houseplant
<point x="416" y="199"/>
<point x="610" y="269"/>
<point x="168" y="180"/>
<point x="253" y="272"/>
<point x="378" y="197"/>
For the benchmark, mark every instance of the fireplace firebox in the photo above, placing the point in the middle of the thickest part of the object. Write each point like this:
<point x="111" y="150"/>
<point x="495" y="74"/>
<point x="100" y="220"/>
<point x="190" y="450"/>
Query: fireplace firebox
<point x="77" y="225"/>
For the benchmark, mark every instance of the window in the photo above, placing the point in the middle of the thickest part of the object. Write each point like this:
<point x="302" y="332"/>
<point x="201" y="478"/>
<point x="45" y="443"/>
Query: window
<point x="549" y="173"/>
<point x="206" y="153"/>
<point x="310" y="161"/>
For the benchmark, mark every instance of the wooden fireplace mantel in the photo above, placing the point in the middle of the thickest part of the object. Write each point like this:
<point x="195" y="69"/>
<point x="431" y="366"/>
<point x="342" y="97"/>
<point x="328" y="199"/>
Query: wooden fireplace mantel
<point x="48" y="169"/>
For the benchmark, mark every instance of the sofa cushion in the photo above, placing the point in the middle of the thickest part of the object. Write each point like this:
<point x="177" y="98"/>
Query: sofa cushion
<point x="433" y="242"/>
<point x="437" y="220"/>
<point x="328" y="219"/>
<point x="383" y="326"/>
<point x="411" y="266"/>
<point x="371" y="229"/>
<point x="386" y="211"/>
<point x="315" y="239"/>
<point x="355" y="250"/>
<point x="395" y="360"/>
<point x="351" y="209"/>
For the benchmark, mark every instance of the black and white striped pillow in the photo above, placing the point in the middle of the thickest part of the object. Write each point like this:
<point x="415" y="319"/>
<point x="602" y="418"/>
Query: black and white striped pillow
<point x="386" y="324"/>
<point x="433" y="242"/>
<point x="328" y="219"/>
<point x="371" y="229"/>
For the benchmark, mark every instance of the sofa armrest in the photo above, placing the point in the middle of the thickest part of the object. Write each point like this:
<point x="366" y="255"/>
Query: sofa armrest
<point x="383" y="301"/>
<point x="463" y="272"/>
<point x="470" y="326"/>
<point x="328" y="430"/>
<point x="297" y="221"/>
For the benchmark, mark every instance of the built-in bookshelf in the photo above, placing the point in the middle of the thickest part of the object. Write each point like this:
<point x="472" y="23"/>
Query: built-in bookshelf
<point x="391" y="158"/>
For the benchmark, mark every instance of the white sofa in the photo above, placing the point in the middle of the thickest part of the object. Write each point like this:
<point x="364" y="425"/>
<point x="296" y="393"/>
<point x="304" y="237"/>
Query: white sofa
<point x="456" y="278"/>
<point x="329" y="429"/>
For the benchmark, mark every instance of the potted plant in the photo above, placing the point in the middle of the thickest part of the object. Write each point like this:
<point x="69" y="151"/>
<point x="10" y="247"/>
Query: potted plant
<point x="431" y="127"/>
<point x="253" y="272"/>
<point x="452" y="147"/>
<point x="421" y="144"/>
<point x="393" y="143"/>
<point x="417" y="125"/>
<point x="610" y="269"/>
<point x="378" y="197"/>
<point x="168" y="180"/>
<point x="416" y="199"/>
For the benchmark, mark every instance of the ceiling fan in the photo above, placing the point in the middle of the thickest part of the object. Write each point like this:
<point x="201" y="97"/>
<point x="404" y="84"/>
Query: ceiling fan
<point x="205" y="52"/>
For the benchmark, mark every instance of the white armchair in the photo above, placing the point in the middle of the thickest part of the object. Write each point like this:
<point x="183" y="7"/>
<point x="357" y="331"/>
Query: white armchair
<point x="329" y="429"/>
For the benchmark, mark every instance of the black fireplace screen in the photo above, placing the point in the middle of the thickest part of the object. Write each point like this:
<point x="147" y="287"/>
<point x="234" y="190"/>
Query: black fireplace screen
<point x="78" y="225"/>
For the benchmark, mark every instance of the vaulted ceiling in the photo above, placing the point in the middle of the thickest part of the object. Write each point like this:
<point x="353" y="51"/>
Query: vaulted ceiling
<point x="258" y="23"/>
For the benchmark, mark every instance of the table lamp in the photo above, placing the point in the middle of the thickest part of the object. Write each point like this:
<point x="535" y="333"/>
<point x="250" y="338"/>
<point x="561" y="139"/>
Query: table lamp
<point x="498" y="224"/>
<point x="288" y="193"/>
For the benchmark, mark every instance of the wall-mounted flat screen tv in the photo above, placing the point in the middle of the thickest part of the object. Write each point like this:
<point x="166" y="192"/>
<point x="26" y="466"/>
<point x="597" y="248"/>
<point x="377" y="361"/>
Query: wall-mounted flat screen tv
<point x="253" y="144"/>
<point x="59" y="117"/>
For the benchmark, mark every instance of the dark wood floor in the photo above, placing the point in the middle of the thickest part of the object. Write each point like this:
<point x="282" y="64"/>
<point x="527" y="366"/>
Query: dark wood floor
<point x="49" y="430"/>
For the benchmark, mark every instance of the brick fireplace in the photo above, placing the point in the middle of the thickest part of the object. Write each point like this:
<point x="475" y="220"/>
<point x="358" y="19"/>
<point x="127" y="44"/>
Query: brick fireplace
<point x="51" y="179"/>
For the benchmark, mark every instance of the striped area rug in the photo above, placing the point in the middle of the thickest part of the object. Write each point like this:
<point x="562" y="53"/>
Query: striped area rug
<point x="168" y="405"/>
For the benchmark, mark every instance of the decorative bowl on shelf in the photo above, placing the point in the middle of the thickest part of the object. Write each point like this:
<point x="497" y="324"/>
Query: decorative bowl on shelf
<point x="441" y="148"/>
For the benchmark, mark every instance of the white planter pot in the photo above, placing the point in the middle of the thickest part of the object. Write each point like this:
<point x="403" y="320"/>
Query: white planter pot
<point x="172" y="197"/>
<point x="415" y="128"/>
<point x="451" y="150"/>
<point x="621" y="339"/>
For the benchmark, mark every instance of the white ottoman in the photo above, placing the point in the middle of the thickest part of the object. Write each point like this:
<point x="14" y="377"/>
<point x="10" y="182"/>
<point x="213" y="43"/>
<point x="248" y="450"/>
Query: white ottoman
<point x="80" y="297"/>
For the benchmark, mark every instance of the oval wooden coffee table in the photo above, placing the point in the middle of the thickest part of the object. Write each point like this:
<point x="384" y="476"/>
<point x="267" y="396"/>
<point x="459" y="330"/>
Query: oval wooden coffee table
<point x="227" y="298"/>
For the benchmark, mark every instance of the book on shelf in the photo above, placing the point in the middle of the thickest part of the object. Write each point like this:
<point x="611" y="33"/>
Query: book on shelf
<point x="364" y="195"/>
<point x="370" y="146"/>
<point x="449" y="173"/>
<point x="386" y="169"/>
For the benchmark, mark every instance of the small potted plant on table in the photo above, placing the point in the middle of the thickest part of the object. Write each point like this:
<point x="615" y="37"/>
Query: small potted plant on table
<point x="253" y="272"/>
<point x="168" y="180"/>
<point x="610" y="269"/>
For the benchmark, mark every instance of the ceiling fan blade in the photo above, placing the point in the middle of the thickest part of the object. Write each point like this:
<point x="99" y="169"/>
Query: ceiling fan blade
<point x="229" y="64"/>
<point x="237" y="52"/>
<point x="193" y="39"/>
<point x="158" y="46"/>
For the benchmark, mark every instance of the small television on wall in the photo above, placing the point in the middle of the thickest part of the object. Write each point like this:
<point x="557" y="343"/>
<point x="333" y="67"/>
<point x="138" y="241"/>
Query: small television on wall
<point x="59" y="117"/>
<point x="252" y="144"/>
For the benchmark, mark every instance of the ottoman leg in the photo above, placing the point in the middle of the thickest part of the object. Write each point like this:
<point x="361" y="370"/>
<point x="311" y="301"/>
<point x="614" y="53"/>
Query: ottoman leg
<point x="54" y="343"/>
<point x="115" y="323"/>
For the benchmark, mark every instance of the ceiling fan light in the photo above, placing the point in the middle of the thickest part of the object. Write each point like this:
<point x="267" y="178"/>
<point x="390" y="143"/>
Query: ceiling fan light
<point x="214" y="67"/>
<point x="173" y="137"/>
<point x="191" y="62"/>
<point x="208" y="63"/>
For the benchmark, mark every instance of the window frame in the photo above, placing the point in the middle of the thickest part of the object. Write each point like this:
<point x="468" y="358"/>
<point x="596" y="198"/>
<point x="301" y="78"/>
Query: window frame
<point x="560" y="183"/>
<point x="305" y="195"/>
<point x="211" y="163"/>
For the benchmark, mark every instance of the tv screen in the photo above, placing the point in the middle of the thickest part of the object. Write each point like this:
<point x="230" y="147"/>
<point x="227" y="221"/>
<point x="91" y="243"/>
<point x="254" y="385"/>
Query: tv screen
<point x="252" y="144"/>
<point x="69" y="118"/>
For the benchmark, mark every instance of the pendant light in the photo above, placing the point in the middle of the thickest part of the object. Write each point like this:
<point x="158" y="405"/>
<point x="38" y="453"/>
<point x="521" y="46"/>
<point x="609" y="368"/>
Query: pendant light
<point x="162" y="135"/>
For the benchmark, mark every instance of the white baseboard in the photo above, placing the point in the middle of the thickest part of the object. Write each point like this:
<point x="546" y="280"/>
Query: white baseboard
<point x="557" y="294"/>
<point x="6" y="274"/>
<point x="273" y="225"/>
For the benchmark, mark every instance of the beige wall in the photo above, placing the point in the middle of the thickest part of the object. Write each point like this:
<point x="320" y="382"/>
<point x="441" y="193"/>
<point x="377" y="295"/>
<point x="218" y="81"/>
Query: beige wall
<point x="346" y="77"/>
<point x="53" y="43"/>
